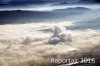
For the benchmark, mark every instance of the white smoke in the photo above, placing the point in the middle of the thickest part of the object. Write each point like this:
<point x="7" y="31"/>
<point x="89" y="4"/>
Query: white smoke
<point x="25" y="45"/>
<point x="59" y="36"/>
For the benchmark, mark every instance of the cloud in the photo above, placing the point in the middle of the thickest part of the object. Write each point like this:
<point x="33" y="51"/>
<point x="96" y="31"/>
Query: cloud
<point x="5" y="1"/>
<point x="72" y="1"/>
<point x="46" y="1"/>
<point x="25" y="45"/>
<point x="59" y="36"/>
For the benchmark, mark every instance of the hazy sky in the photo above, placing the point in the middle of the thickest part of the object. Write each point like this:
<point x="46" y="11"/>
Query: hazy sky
<point x="45" y="1"/>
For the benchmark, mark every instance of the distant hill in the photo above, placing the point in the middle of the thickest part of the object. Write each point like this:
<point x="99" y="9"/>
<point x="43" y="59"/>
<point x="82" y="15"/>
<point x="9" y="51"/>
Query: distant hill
<point x="91" y="24"/>
<point x="19" y="16"/>
<point x="76" y="9"/>
<point x="90" y="20"/>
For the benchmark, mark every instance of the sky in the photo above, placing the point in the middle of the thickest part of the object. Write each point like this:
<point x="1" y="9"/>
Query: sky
<point x="8" y="2"/>
<point x="26" y="4"/>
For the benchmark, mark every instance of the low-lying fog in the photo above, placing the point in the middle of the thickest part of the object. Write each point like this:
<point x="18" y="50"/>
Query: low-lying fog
<point x="35" y="43"/>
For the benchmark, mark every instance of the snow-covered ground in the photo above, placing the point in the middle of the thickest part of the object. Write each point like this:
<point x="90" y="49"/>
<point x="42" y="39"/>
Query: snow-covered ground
<point x="30" y="44"/>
